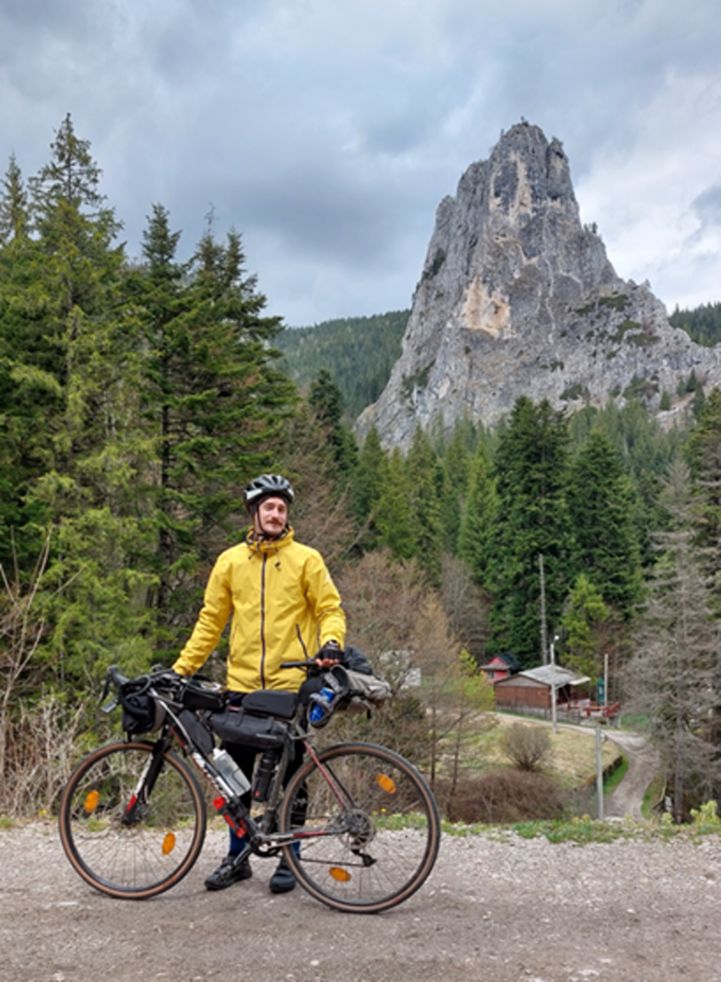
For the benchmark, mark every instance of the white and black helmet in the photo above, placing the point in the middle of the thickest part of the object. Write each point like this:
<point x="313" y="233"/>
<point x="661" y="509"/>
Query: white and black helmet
<point x="268" y="486"/>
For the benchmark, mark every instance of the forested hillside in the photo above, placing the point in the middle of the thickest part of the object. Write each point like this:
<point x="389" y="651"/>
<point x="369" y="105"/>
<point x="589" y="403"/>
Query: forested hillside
<point x="138" y="398"/>
<point x="702" y="323"/>
<point x="358" y="352"/>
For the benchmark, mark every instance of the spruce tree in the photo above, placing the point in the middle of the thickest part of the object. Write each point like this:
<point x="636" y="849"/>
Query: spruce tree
<point x="326" y="401"/>
<point x="79" y="340"/>
<point x="478" y="516"/>
<point x="397" y="526"/>
<point x="366" y="488"/>
<point x="425" y="478"/>
<point x="530" y="529"/>
<point x="212" y="400"/>
<point x="602" y="506"/>
<point x="584" y="617"/>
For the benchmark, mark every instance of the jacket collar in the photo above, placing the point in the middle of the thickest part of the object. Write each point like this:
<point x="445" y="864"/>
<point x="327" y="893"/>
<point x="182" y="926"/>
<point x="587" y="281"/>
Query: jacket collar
<point x="267" y="546"/>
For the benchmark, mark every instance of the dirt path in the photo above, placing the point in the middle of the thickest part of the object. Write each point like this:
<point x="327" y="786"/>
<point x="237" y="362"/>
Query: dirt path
<point x="642" y="768"/>
<point x="498" y="910"/>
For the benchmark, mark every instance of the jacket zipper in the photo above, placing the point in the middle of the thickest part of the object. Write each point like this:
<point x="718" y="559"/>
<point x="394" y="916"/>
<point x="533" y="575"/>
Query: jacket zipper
<point x="300" y="639"/>
<point x="262" y="622"/>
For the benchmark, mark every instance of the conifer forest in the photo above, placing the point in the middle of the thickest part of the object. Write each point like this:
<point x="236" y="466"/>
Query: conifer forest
<point x="138" y="397"/>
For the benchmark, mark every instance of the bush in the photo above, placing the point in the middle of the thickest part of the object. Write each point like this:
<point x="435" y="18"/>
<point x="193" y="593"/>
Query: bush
<point x="527" y="747"/>
<point x="504" y="796"/>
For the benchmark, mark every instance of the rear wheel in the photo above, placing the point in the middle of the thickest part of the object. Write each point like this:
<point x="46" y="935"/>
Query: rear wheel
<point x="370" y="827"/>
<point x="132" y="821"/>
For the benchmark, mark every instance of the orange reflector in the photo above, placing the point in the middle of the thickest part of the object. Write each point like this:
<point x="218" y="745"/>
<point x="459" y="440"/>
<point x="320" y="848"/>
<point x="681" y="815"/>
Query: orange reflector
<point x="92" y="800"/>
<point x="168" y="843"/>
<point x="339" y="875"/>
<point x="386" y="783"/>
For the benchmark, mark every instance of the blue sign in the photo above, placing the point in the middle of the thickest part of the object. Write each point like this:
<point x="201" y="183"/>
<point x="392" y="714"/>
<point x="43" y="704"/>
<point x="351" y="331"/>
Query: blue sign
<point x="600" y="691"/>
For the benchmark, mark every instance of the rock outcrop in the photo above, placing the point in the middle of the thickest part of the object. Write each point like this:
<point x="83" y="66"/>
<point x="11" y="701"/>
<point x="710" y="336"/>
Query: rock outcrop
<point x="517" y="297"/>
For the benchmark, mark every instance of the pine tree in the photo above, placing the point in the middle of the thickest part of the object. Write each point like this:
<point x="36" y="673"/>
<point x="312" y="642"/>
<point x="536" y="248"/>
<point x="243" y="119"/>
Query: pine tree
<point x="78" y="340"/>
<point x="704" y="458"/>
<point x="366" y="488"/>
<point x="396" y="522"/>
<point x="675" y="674"/>
<point x="14" y="218"/>
<point x="425" y="477"/>
<point x="530" y="522"/>
<point x="457" y="467"/>
<point x="601" y="506"/>
<point x="584" y="616"/>
<point x="212" y="399"/>
<point x="326" y="401"/>
<point x="478" y="516"/>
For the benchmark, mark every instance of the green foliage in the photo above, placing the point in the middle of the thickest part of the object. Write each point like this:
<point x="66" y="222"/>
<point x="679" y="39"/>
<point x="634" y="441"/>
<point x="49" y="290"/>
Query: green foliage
<point x="584" y="615"/>
<point x="326" y="401"/>
<point x="702" y="323"/>
<point x="358" y="353"/>
<point x="479" y="514"/>
<point x="601" y="507"/>
<point x="530" y="521"/>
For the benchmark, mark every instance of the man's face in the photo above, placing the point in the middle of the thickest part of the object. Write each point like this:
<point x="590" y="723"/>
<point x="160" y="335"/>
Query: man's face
<point x="271" y="516"/>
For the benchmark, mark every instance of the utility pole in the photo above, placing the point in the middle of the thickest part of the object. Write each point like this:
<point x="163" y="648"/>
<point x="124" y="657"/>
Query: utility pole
<point x="553" y="683"/>
<point x="544" y="634"/>
<point x="599" y="771"/>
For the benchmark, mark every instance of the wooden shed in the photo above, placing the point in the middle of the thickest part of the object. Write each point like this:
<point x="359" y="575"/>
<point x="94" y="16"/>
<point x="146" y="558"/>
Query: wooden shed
<point x="531" y="689"/>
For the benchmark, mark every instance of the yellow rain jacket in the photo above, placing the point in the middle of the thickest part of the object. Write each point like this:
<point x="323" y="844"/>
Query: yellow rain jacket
<point x="285" y="607"/>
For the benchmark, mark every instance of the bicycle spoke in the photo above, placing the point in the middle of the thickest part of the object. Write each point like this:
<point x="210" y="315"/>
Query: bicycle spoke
<point x="386" y="821"/>
<point x="122" y="840"/>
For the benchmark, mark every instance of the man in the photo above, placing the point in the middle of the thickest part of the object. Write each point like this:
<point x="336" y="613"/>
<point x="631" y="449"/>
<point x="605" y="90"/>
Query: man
<point x="284" y="607"/>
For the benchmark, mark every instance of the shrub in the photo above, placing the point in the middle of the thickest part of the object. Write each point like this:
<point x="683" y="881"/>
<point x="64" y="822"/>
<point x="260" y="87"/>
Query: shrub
<point x="526" y="747"/>
<point x="504" y="796"/>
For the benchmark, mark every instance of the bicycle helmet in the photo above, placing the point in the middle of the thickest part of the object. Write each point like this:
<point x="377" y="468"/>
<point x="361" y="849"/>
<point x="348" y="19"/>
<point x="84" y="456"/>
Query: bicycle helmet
<point x="268" y="486"/>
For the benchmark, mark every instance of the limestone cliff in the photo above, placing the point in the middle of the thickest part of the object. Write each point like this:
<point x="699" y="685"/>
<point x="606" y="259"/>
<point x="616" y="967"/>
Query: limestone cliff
<point x="517" y="298"/>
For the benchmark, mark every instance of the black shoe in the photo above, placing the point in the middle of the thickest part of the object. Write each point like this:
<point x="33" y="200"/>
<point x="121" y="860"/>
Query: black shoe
<point x="283" y="880"/>
<point x="231" y="870"/>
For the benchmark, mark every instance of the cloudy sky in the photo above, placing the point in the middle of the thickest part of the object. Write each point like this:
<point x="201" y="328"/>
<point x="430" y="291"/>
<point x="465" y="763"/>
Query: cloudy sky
<point x="327" y="131"/>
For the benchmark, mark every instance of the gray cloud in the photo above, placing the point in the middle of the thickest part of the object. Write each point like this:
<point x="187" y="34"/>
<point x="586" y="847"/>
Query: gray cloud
<point x="327" y="133"/>
<point x="707" y="206"/>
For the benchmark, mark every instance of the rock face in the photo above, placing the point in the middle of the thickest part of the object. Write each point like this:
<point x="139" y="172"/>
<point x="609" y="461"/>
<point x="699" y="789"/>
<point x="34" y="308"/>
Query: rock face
<point x="518" y="298"/>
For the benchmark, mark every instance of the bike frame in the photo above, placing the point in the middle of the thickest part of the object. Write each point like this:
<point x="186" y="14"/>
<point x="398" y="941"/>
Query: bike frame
<point x="263" y="841"/>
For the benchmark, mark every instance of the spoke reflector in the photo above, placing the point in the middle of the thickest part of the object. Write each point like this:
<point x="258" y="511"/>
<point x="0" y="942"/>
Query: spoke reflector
<point x="386" y="783"/>
<point x="168" y="843"/>
<point x="92" y="800"/>
<point x="338" y="874"/>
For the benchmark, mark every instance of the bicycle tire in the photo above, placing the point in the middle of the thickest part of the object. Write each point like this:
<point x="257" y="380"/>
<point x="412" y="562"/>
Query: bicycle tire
<point x="150" y="852"/>
<point x="387" y="822"/>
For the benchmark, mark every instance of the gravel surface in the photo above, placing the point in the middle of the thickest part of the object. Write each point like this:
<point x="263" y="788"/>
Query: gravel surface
<point x="493" y="909"/>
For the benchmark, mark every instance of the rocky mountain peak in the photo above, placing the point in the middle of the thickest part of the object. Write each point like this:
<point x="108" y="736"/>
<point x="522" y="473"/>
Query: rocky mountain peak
<point x="517" y="297"/>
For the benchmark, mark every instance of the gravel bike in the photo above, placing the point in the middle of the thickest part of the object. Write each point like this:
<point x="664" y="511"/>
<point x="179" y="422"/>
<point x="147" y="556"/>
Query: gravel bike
<point x="357" y="823"/>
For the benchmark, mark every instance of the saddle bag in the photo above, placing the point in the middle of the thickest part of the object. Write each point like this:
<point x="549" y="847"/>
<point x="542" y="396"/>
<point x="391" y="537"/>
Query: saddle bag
<point x="261" y="720"/>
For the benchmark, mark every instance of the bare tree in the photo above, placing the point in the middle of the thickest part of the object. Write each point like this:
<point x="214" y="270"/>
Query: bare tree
<point x="671" y="677"/>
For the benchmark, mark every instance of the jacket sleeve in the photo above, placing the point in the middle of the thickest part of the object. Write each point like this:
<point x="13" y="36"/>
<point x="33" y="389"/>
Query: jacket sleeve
<point x="325" y="602"/>
<point x="213" y="617"/>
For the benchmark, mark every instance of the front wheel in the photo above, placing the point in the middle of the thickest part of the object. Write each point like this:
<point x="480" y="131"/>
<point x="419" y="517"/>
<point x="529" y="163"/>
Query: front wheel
<point x="132" y="820"/>
<point x="368" y="827"/>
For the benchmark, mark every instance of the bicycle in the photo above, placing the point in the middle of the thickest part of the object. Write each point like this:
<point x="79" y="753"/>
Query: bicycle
<point x="357" y="823"/>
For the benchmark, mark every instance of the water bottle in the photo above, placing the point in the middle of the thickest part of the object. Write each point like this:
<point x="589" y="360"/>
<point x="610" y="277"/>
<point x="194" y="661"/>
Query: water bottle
<point x="230" y="772"/>
<point x="263" y="775"/>
<point x="321" y="706"/>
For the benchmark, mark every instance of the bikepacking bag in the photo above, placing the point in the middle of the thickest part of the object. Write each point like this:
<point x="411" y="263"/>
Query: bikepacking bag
<point x="260" y="720"/>
<point x="141" y="713"/>
<point x="361" y="688"/>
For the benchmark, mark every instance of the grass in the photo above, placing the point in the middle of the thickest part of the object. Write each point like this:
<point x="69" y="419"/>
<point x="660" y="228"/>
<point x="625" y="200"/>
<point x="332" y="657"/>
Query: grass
<point x="573" y="749"/>
<point x="584" y="830"/>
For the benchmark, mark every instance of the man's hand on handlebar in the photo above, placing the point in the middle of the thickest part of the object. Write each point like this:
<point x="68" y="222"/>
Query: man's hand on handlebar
<point x="330" y="654"/>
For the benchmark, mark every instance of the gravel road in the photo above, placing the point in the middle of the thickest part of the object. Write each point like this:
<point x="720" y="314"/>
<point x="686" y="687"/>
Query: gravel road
<point x="494" y="909"/>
